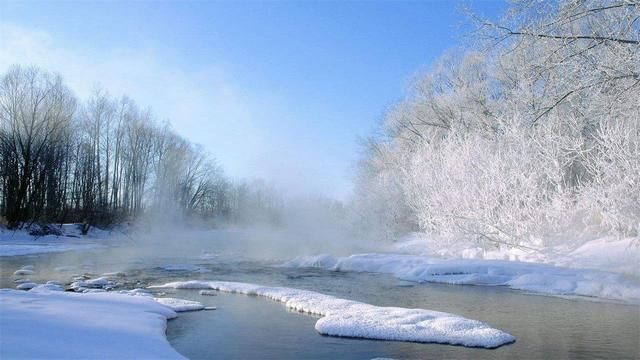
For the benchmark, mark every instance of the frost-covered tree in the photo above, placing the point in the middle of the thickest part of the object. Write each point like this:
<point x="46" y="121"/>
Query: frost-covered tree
<point x="530" y="133"/>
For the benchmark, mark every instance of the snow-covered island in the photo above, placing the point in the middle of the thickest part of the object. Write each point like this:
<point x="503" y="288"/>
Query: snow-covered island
<point x="348" y="318"/>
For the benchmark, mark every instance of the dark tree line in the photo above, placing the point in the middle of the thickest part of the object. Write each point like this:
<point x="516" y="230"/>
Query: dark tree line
<point x="103" y="161"/>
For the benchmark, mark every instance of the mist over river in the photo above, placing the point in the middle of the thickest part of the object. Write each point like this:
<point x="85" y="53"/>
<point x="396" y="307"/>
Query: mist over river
<point x="549" y="327"/>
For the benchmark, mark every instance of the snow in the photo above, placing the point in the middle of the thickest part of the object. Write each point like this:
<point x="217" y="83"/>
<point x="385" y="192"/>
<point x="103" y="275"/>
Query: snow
<point x="539" y="278"/>
<point x="82" y="285"/>
<point x="26" y="286"/>
<point x="349" y="318"/>
<point x="101" y="281"/>
<point x="323" y="261"/>
<point x="91" y="290"/>
<point x="88" y="326"/>
<point x="49" y="286"/>
<point x="20" y="242"/>
<point x="179" y="305"/>
<point x="136" y="292"/>
<point x="611" y="254"/>
<point x="24" y="272"/>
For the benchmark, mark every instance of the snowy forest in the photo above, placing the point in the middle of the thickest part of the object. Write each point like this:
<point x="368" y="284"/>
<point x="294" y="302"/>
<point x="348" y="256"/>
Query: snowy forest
<point x="530" y="136"/>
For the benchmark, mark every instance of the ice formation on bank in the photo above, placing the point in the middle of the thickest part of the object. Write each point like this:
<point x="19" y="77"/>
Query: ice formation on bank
<point x="64" y="325"/>
<point x="355" y="319"/>
<point x="179" y="305"/>
<point x="533" y="277"/>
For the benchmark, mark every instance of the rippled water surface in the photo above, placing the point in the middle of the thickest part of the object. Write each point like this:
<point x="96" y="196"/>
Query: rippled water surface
<point x="251" y="327"/>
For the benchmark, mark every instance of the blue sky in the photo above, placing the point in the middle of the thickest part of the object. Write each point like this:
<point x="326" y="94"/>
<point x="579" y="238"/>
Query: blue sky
<point x="275" y="90"/>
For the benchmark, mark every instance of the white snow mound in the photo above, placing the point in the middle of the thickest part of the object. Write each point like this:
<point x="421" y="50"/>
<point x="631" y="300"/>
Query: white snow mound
<point x="355" y="319"/>
<point x="64" y="325"/>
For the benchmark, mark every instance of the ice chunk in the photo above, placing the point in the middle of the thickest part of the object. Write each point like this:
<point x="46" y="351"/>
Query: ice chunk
<point x="180" y="305"/>
<point x="136" y="292"/>
<point x="101" y="281"/>
<point x="26" y="286"/>
<point x="355" y="319"/>
<point x="320" y="261"/>
<point x="96" y="283"/>
<point x="24" y="272"/>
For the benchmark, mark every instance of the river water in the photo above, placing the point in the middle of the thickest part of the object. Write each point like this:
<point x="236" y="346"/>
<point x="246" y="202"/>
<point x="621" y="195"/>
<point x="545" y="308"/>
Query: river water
<point x="246" y="327"/>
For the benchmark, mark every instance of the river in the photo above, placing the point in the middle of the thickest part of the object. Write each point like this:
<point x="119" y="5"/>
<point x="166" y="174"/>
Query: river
<point x="251" y="327"/>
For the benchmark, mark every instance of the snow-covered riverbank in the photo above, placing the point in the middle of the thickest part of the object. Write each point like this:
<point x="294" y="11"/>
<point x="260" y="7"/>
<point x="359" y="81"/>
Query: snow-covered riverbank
<point x="538" y="278"/>
<point x="64" y="325"/>
<point x="66" y="237"/>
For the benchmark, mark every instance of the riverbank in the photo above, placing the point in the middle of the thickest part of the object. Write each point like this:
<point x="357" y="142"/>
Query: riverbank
<point x="36" y="239"/>
<point x="588" y="272"/>
<point x="63" y="325"/>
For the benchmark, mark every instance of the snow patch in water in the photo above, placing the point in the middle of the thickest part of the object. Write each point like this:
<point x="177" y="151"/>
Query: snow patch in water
<point x="349" y="318"/>
<point x="24" y="272"/>
<point x="179" y="305"/>
<point x="26" y="286"/>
